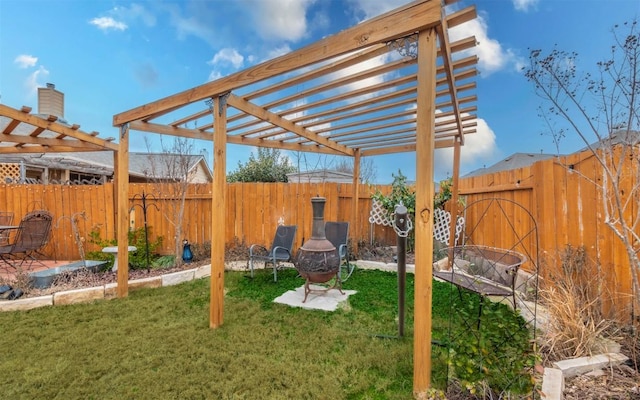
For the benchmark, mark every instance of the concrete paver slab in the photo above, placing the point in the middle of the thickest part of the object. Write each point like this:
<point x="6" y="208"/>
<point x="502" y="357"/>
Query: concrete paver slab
<point x="326" y="300"/>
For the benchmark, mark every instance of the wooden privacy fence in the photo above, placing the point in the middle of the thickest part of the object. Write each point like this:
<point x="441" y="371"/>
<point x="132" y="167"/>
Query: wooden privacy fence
<point x="563" y="201"/>
<point x="253" y="212"/>
<point x="568" y="210"/>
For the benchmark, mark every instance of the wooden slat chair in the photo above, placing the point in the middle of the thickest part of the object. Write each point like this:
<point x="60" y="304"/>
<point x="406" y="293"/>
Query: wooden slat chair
<point x="32" y="235"/>
<point x="281" y="249"/>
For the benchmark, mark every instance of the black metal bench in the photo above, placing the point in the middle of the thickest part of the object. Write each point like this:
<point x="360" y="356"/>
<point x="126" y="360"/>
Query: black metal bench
<point x="487" y="271"/>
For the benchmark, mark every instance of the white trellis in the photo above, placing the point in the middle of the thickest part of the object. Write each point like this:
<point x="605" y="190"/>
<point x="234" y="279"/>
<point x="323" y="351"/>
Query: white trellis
<point x="441" y="226"/>
<point x="379" y="215"/>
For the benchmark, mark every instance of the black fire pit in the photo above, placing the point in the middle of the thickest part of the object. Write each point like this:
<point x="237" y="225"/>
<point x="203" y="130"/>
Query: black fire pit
<point x="317" y="260"/>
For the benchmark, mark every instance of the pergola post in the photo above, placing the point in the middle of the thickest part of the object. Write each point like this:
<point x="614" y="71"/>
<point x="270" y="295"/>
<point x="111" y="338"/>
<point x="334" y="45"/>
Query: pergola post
<point x="355" y="232"/>
<point x="121" y="186"/>
<point x="454" y="195"/>
<point x="425" y="146"/>
<point x="218" y="204"/>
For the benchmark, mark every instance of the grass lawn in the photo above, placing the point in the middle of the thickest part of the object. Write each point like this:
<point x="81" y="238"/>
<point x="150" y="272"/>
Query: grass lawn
<point x="157" y="344"/>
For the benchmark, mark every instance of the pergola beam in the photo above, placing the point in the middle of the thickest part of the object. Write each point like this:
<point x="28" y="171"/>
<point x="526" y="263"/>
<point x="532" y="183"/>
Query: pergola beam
<point x="44" y="149"/>
<point x="49" y="142"/>
<point x="367" y="54"/>
<point x="283" y="123"/>
<point x="443" y="34"/>
<point x="53" y="126"/>
<point x="276" y="144"/>
<point x="171" y="130"/>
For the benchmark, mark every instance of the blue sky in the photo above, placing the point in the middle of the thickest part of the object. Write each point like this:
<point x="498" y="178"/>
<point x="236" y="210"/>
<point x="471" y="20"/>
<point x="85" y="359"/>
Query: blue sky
<point x="111" y="56"/>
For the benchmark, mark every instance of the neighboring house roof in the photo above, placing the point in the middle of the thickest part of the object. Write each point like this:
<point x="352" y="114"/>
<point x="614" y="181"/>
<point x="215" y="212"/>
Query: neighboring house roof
<point x="157" y="165"/>
<point x="514" y="161"/>
<point x="319" y="176"/>
<point x="620" y="136"/>
<point x="519" y="160"/>
<point x="141" y="165"/>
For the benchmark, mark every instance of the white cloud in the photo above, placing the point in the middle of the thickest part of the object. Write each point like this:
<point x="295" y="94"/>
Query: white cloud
<point x="36" y="79"/>
<point x="281" y="19"/>
<point x="191" y="26"/>
<point x="197" y="25"/>
<point x="119" y="14"/>
<point x="227" y="56"/>
<point x="278" y="51"/>
<point x="108" y="23"/>
<point x="26" y="61"/>
<point x="366" y="9"/>
<point x="214" y="75"/>
<point x="492" y="56"/>
<point x="524" y="5"/>
<point x="478" y="147"/>
<point x="135" y="11"/>
<point x="354" y="69"/>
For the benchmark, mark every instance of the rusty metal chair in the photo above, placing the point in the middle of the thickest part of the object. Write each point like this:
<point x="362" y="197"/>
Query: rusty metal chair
<point x="32" y="235"/>
<point x="281" y="249"/>
<point x="338" y="234"/>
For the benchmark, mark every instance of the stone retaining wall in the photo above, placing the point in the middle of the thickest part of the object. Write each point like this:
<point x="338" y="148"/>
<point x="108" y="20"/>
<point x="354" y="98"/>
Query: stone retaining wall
<point x="108" y="291"/>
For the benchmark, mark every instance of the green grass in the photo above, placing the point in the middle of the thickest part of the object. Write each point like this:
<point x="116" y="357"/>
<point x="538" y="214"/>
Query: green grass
<point x="157" y="344"/>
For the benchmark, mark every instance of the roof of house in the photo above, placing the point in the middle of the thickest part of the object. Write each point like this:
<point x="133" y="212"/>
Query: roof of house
<point x="144" y="164"/>
<point x="519" y="160"/>
<point x="619" y="136"/>
<point x="101" y="162"/>
<point x="514" y="161"/>
<point x="326" y="175"/>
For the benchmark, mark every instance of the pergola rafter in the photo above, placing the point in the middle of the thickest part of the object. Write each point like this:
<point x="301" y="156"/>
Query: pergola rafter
<point x="283" y="123"/>
<point x="23" y="132"/>
<point x="388" y="85"/>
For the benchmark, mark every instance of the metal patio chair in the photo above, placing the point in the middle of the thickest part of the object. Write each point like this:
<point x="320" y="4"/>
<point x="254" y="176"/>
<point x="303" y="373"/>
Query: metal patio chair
<point x="338" y="234"/>
<point x="32" y="235"/>
<point x="281" y="249"/>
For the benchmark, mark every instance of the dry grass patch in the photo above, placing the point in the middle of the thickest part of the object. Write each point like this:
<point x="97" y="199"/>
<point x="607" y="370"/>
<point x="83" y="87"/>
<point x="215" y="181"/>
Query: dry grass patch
<point x="573" y="297"/>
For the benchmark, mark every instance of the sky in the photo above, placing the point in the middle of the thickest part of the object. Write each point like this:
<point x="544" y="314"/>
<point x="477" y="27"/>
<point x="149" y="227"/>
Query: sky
<point x="108" y="56"/>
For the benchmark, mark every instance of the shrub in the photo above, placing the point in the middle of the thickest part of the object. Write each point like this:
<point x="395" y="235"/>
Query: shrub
<point x="401" y="193"/>
<point x="137" y="238"/>
<point x="490" y="354"/>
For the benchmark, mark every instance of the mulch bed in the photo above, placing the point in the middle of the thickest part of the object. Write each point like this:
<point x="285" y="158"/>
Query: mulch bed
<point x="619" y="383"/>
<point x="82" y="278"/>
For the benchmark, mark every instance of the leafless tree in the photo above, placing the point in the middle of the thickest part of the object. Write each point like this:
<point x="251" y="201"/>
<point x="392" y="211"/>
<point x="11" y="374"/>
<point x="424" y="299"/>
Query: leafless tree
<point x="172" y="174"/>
<point x="368" y="169"/>
<point x="342" y="164"/>
<point x="603" y="110"/>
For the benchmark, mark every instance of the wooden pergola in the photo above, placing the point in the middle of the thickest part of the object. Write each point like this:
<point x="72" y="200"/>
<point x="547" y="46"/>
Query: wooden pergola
<point x="23" y="132"/>
<point x="391" y="84"/>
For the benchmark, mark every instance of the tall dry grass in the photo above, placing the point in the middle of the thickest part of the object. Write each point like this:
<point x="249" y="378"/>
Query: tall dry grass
<point x="573" y="298"/>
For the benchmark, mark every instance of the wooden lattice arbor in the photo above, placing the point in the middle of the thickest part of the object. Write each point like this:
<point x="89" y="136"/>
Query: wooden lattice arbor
<point x="23" y="132"/>
<point x="391" y="84"/>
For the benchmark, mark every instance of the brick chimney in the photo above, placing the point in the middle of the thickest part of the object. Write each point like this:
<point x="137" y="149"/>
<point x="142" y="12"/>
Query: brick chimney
<point x="51" y="101"/>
